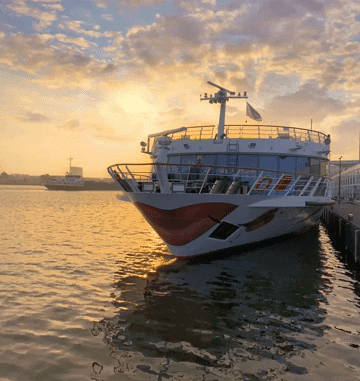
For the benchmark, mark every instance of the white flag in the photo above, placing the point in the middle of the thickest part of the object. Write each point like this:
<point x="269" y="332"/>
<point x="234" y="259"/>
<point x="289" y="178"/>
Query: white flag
<point x="252" y="113"/>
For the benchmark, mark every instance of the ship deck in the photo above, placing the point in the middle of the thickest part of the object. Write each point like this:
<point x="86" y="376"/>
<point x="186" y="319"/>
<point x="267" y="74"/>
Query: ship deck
<point x="242" y="131"/>
<point x="198" y="178"/>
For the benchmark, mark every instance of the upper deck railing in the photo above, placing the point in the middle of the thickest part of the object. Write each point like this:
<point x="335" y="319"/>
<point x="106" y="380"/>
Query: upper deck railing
<point x="246" y="131"/>
<point x="199" y="178"/>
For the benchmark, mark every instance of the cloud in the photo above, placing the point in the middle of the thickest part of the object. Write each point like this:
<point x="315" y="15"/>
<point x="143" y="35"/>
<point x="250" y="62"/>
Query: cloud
<point x="116" y="139"/>
<point x="71" y="124"/>
<point x="172" y="38"/>
<point x="26" y="8"/>
<point x="79" y="41"/>
<point x="349" y="128"/>
<point x="127" y="3"/>
<point x="224" y="41"/>
<point x="33" y="117"/>
<point x="345" y="137"/>
<point x="76" y="26"/>
<point x="174" y="112"/>
<point x="43" y="2"/>
<point x="62" y="65"/>
<point x="309" y="102"/>
<point x="107" y="17"/>
<point x="57" y="7"/>
<point x="250" y="39"/>
<point x="236" y="44"/>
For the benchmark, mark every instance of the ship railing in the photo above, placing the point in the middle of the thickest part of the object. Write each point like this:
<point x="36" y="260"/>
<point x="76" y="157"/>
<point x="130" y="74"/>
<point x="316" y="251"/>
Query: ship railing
<point x="214" y="179"/>
<point x="246" y="131"/>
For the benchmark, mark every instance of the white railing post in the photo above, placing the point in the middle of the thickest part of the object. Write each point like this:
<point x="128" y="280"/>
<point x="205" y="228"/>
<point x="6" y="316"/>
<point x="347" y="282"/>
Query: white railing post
<point x="255" y="182"/>
<point x="205" y="178"/>
<point x="306" y="185"/>
<point x="187" y="179"/>
<point x="133" y="183"/>
<point x="315" y="187"/>
<point x="293" y="186"/>
<point x="275" y="184"/>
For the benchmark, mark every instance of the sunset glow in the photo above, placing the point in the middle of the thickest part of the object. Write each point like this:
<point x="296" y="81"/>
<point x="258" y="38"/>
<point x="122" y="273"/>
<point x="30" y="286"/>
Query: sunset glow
<point x="91" y="79"/>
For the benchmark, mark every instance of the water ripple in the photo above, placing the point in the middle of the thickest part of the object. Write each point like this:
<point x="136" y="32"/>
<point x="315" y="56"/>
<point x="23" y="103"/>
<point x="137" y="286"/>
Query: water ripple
<point x="87" y="296"/>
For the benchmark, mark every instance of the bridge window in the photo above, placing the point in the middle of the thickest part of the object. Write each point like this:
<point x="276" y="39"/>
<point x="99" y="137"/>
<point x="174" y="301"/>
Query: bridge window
<point x="268" y="162"/>
<point x="222" y="160"/>
<point x="302" y="164"/>
<point x="287" y="164"/>
<point x="174" y="159"/>
<point x="273" y="162"/>
<point x="208" y="159"/>
<point x="250" y="161"/>
<point x="188" y="159"/>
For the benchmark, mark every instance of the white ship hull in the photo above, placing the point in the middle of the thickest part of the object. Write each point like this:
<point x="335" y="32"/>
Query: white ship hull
<point x="195" y="224"/>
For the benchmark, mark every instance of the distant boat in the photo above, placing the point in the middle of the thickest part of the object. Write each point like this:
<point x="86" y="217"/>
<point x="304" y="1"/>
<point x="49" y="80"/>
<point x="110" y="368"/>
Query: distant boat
<point x="74" y="181"/>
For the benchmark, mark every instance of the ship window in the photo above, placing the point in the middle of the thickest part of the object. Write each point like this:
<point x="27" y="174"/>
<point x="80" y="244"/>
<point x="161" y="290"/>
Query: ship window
<point x="268" y="162"/>
<point x="227" y="160"/>
<point x="232" y="160"/>
<point x="302" y="165"/>
<point x="315" y="166"/>
<point x="323" y="168"/>
<point x="287" y="164"/>
<point x="222" y="160"/>
<point x="223" y="231"/>
<point x="208" y="159"/>
<point x="187" y="159"/>
<point x="248" y="161"/>
<point x="174" y="159"/>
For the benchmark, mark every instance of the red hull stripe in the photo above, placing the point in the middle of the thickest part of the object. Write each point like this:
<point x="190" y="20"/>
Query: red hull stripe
<point x="180" y="226"/>
<point x="260" y="221"/>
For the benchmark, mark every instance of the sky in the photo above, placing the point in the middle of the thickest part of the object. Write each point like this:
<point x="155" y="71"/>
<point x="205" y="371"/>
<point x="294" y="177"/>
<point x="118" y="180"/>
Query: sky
<point x="92" y="78"/>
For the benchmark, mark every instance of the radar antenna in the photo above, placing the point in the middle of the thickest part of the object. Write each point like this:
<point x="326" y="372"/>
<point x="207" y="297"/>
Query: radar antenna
<point x="221" y="97"/>
<point x="70" y="159"/>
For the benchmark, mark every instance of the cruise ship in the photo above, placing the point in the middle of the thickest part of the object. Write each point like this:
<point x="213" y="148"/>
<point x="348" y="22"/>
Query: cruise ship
<point x="211" y="188"/>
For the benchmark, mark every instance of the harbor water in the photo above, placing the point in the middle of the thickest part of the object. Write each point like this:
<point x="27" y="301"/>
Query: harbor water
<point x="89" y="292"/>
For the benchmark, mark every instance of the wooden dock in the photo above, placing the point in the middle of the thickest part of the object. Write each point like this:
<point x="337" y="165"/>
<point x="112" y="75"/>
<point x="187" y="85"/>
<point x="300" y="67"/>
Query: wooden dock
<point x="343" y="225"/>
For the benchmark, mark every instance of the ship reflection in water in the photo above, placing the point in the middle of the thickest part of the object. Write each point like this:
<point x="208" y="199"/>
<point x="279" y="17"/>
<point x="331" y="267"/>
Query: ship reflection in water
<point x="255" y="316"/>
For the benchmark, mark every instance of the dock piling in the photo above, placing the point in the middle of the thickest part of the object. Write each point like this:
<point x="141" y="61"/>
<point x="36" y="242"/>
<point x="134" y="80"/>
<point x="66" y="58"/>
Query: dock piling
<point x="344" y="227"/>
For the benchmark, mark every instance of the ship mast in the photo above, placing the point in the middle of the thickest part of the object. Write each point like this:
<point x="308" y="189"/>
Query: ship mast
<point x="70" y="159"/>
<point x="221" y="97"/>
